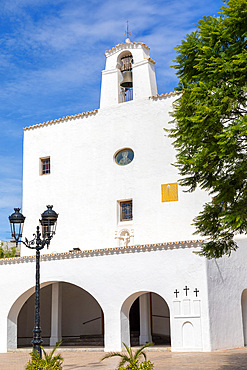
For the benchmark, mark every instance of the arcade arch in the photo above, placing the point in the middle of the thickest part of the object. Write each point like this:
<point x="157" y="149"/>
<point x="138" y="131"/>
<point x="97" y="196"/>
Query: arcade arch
<point x="67" y="312"/>
<point x="145" y="317"/>
<point x="244" y="315"/>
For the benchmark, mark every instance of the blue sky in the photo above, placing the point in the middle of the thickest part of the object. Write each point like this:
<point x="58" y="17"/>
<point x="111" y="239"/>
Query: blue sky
<point x="52" y="55"/>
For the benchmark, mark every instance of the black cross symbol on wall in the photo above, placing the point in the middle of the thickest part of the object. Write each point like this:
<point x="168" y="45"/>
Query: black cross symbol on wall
<point x="186" y="290"/>
<point x="176" y="292"/>
<point x="196" y="291"/>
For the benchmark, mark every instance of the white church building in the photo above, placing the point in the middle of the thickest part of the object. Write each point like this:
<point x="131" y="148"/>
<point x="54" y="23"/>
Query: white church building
<point x="121" y="267"/>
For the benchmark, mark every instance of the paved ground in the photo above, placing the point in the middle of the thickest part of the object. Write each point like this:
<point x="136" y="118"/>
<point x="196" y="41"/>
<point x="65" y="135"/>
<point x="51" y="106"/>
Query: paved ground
<point x="164" y="360"/>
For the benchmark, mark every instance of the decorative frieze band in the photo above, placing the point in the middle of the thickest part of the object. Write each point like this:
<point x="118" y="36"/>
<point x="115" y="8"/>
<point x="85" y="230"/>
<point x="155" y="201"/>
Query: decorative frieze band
<point x="160" y="96"/>
<point x="84" y="114"/>
<point x="106" y="251"/>
<point x="125" y="45"/>
<point x="89" y="113"/>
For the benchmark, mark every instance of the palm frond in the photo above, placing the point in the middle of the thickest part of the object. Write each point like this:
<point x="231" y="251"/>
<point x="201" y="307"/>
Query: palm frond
<point x="129" y="357"/>
<point x="140" y="351"/>
<point x="129" y="350"/>
<point x="123" y="361"/>
<point x="43" y="350"/>
<point x="49" y="359"/>
<point x="58" y="359"/>
<point x="112" y="354"/>
<point x="45" y="353"/>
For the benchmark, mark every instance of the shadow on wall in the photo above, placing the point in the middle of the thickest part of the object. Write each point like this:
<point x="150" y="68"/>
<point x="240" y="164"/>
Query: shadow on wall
<point x="81" y="317"/>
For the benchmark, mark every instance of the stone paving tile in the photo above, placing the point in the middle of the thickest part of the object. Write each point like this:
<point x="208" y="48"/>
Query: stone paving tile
<point x="80" y="359"/>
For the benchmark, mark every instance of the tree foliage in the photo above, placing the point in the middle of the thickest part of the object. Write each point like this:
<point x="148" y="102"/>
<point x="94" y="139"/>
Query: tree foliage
<point x="6" y="252"/>
<point x="210" y="132"/>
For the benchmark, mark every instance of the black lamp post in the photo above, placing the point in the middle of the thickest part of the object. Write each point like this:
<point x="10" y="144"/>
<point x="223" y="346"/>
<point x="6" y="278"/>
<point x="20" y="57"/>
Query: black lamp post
<point x="48" y="225"/>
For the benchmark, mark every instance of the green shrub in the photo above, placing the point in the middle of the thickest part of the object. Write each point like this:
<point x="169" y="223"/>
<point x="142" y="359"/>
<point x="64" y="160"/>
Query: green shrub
<point x="132" y="358"/>
<point x="49" y="362"/>
<point x="145" y="365"/>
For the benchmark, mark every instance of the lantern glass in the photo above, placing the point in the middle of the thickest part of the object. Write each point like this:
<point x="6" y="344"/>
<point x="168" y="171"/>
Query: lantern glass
<point x="16" y="223"/>
<point x="48" y="222"/>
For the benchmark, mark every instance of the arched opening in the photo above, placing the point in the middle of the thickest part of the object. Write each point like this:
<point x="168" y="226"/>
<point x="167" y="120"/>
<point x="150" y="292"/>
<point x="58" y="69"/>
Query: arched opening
<point x="134" y="319"/>
<point x="188" y="335"/>
<point x="125" y="62"/>
<point x="244" y="315"/>
<point x="25" y="320"/>
<point x="145" y="317"/>
<point x="67" y="312"/>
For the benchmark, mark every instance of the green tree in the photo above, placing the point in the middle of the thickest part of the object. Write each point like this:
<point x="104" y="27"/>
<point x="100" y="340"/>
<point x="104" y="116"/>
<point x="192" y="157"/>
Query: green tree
<point x="132" y="358"/>
<point x="6" y="252"/>
<point x="210" y="132"/>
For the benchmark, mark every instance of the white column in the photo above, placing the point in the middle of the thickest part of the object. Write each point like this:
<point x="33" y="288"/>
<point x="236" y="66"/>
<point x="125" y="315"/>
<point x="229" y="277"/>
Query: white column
<point x="144" y="79"/>
<point x="11" y="333"/>
<point x="112" y="329"/>
<point x="56" y="314"/>
<point x="125" y="327"/>
<point x="145" y="324"/>
<point x="110" y="88"/>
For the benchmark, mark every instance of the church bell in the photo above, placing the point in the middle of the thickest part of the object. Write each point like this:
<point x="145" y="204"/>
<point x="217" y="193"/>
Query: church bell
<point x="126" y="70"/>
<point x="127" y="80"/>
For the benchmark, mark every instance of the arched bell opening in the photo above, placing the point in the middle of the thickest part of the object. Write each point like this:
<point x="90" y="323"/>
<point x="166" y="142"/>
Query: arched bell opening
<point x="125" y="61"/>
<point x="67" y="312"/>
<point x="145" y="317"/>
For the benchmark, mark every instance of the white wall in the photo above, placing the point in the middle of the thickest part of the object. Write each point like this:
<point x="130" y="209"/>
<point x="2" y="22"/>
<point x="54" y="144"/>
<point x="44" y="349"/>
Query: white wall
<point x="85" y="182"/>
<point x="213" y="318"/>
<point x="110" y="277"/>
<point x="227" y="279"/>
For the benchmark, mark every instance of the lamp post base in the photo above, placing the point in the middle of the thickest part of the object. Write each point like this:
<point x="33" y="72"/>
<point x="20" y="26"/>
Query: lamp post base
<point x="37" y="341"/>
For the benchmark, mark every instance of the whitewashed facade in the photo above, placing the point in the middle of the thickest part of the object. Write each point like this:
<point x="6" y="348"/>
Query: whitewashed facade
<point x="146" y="258"/>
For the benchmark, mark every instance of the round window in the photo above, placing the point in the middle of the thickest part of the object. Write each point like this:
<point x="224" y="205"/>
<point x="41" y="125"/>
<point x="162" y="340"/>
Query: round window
<point x="124" y="156"/>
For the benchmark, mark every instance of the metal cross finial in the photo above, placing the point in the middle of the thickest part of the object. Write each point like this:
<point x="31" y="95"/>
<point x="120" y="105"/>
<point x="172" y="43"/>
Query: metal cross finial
<point x="186" y="290"/>
<point x="127" y="32"/>
<point x="196" y="291"/>
<point x="176" y="292"/>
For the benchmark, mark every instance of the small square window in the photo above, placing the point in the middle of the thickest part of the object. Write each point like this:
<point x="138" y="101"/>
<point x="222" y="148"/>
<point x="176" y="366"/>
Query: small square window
<point x="126" y="210"/>
<point x="45" y="166"/>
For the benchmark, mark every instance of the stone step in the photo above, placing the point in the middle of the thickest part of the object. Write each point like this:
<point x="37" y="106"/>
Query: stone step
<point x="98" y="340"/>
<point x="134" y="338"/>
<point x="84" y="341"/>
<point x="159" y="339"/>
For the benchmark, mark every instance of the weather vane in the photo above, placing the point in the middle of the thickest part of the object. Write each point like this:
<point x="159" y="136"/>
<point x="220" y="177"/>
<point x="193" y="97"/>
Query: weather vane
<point x="127" y="32"/>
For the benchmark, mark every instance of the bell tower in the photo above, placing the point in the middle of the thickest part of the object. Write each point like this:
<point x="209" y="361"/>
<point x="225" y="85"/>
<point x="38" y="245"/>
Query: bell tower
<point x="129" y="74"/>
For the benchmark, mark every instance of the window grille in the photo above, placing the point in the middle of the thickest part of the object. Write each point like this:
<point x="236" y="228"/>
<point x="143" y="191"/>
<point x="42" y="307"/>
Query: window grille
<point x="45" y="166"/>
<point x="126" y="211"/>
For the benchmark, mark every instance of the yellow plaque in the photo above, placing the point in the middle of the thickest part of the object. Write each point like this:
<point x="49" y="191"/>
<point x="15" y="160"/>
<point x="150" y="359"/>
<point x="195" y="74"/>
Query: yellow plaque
<point x="169" y="192"/>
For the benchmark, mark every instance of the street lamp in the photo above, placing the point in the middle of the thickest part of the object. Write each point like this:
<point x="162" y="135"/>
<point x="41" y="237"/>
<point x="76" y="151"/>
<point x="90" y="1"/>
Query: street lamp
<point x="48" y="225"/>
